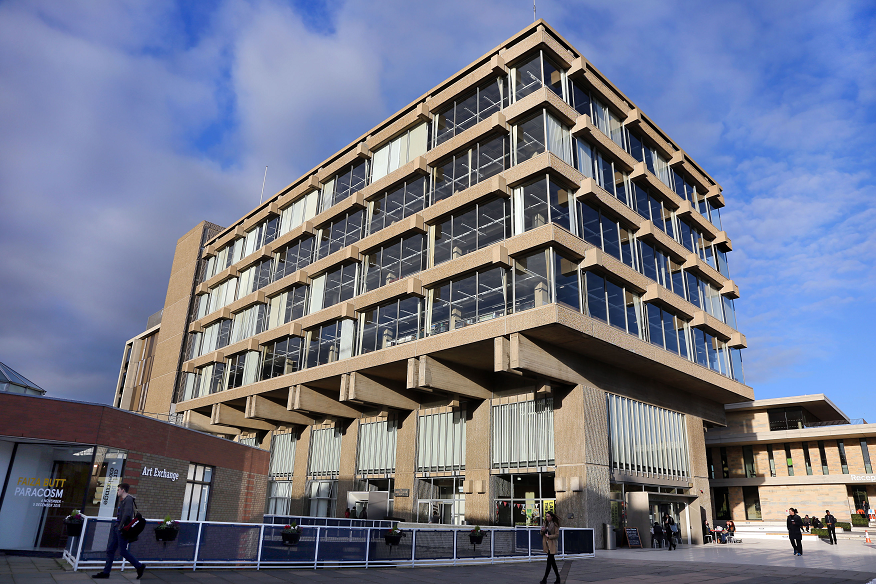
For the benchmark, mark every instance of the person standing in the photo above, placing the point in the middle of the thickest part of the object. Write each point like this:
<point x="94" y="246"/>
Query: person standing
<point x="794" y="533"/>
<point x="830" y="522"/>
<point x="731" y="529"/>
<point x="347" y="513"/>
<point x="117" y="541"/>
<point x="669" y="530"/>
<point x="550" y="532"/>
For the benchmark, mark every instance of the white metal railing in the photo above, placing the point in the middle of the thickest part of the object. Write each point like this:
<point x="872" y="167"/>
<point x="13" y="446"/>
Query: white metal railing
<point x="214" y="544"/>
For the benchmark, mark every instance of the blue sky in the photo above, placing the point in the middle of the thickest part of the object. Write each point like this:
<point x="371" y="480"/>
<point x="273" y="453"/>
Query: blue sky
<point x="124" y="124"/>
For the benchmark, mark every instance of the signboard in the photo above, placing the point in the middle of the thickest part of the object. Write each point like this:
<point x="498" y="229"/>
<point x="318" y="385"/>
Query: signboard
<point x="107" y="486"/>
<point x="633" y="539"/>
<point x="402" y="492"/>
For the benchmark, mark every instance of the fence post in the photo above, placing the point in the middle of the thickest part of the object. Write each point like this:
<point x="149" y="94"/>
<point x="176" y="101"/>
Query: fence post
<point x="261" y="544"/>
<point x="563" y="540"/>
<point x="413" y="547"/>
<point x="79" y="547"/>
<point x="316" y="549"/>
<point x="197" y="546"/>
<point x="493" y="546"/>
<point x="529" y="541"/>
<point x="367" y="544"/>
<point x="455" y="537"/>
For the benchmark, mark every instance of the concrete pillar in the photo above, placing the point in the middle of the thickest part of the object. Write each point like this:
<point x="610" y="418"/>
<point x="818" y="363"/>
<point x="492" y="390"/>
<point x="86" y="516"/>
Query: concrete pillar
<point x="347" y="474"/>
<point x="701" y="508"/>
<point x="405" y="465"/>
<point x="569" y="453"/>
<point x="299" y="474"/>
<point x="478" y="508"/>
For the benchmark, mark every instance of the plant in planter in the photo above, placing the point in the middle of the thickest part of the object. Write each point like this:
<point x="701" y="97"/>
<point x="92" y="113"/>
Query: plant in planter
<point x="476" y="535"/>
<point x="167" y="530"/>
<point x="860" y="520"/>
<point x="291" y="534"/>
<point x="73" y="523"/>
<point x="393" y="536"/>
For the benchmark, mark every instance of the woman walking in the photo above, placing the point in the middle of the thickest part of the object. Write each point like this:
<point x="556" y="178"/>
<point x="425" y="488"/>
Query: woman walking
<point x="669" y="531"/>
<point x="550" y="531"/>
<point x="794" y="533"/>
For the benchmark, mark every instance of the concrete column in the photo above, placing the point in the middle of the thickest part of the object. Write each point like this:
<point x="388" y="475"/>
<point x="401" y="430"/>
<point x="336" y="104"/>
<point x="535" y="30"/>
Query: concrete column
<point x="478" y="508"/>
<point x="701" y="508"/>
<point x="347" y="474"/>
<point x="597" y="461"/>
<point x="569" y="452"/>
<point x="405" y="465"/>
<point x="299" y="473"/>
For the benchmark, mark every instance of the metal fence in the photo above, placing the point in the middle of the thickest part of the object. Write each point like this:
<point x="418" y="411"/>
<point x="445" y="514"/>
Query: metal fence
<point x="212" y="544"/>
<point x="328" y="521"/>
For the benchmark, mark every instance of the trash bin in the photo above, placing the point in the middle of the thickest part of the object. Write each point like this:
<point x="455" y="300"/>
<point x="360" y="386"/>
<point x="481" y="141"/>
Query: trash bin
<point x="610" y="538"/>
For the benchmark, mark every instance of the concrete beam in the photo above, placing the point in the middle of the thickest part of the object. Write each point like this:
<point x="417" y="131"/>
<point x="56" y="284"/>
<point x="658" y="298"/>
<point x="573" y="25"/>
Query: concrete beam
<point x="261" y="408"/>
<point x="457" y="380"/>
<point x="225" y="415"/>
<point x="307" y="399"/>
<point x="195" y="421"/>
<point x="525" y="355"/>
<point x="359" y="387"/>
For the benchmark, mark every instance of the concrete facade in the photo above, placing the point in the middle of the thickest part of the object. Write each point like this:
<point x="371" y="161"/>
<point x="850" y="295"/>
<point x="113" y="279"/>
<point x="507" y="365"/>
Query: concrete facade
<point x="560" y="357"/>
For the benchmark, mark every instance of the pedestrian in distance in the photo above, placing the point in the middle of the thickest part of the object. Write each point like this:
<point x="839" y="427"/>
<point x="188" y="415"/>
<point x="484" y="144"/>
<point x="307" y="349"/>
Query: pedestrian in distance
<point x="795" y="534"/>
<point x="670" y="529"/>
<point x="347" y="513"/>
<point x="656" y="535"/>
<point x="731" y="529"/>
<point x="830" y="522"/>
<point x="807" y="523"/>
<point x="117" y="541"/>
<point x="550" y="532"/>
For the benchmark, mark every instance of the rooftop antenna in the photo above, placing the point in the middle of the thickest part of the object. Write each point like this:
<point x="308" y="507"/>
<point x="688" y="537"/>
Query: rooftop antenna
<point x="533" y="11"/>
<point x="263" y="185"/>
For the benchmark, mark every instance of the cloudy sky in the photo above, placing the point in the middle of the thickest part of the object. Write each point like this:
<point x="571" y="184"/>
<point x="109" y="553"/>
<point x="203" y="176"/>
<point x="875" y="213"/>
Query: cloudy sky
<point x="124" y="124"/>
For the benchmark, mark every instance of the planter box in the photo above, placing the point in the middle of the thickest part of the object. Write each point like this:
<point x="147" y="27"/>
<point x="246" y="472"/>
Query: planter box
<point x="166" y="534"/>
<point x="291" y="538"/>
<point x="392" y="539"/>
<point x="476" y="539"/>
<point x="74" y="528"/>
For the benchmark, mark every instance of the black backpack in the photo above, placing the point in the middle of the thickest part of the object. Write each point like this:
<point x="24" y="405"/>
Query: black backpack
<point x="135" y="527"/>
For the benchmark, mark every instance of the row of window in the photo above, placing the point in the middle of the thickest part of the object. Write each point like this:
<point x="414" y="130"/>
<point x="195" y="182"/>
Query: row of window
<point x="541" y="278"/>
<point x="783" y="452"/>
<point x="466" y="230"/>
<point x="541" y="132"/>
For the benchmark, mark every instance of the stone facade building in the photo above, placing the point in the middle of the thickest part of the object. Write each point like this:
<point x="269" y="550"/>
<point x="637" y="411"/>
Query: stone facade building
<point x="512" y="296"/>
<point x="800" y="452"/>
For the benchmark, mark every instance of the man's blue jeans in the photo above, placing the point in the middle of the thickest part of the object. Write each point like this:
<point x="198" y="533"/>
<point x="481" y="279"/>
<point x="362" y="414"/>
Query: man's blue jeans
<point x="117" y="542"/>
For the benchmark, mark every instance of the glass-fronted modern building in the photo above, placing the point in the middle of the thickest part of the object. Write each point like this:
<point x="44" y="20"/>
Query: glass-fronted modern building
<point x="512" y="296"/>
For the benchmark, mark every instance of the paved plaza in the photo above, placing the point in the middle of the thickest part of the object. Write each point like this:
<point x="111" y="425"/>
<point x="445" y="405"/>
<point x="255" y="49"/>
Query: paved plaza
<point x="754" y="561"/>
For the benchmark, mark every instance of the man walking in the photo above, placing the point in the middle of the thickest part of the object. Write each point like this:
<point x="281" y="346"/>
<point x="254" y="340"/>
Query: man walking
<point x="830" y="522"/>
<point x="669" y="531"/>
<point x="794" y="533"/>
<point x="124" y="515"/>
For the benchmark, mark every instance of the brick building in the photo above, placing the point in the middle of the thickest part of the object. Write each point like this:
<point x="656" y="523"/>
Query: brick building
<point x="800" y="452"/>
<point x="59" y="455"/>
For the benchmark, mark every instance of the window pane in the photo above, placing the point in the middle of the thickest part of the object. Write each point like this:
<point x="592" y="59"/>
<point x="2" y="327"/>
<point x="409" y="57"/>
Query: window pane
<point x="527" y="77"/>
<point x="596" y="296"/>
<point x="440" y="317"/>
<point x="463" y="302"/>
<point x="530" y="138"/>
<point x="535" y="205"/>
<point x="531" y="288"/>
<point x="492" y="157"/>
<point x="566" y="282"/>
<point x="553" y="78"/>
<point x="466" y="112"/>
<point x="491" y="294"/>
<point x="560" y="202"/>
<point x="408" y="320"/>
<point x="492" y="219"/>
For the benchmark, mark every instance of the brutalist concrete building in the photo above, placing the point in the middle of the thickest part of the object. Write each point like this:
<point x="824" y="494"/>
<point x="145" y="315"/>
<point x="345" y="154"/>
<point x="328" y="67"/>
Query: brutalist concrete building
<point x="511" y="296"/>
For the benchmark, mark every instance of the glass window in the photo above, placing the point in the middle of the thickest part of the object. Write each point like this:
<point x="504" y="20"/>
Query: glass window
<point x="403" y="201"/>
<point x="613" y="304"/>
<point x="566" y="282"/>
<point x="865" y="452"/>
<point x="725" y="466"/>
<point x="197" y="494"/>
<point x="470" y="229"/>
<point x="338" y="285"/>
<point x="342" y="232"/>
<point x="842" y="455"/>
<point x="281" y="357"/>
<point x="529" y="138"/>
<point x="527" y="77"/>
<point x="751" y="499"/>
<point x="823" y="456"/>
<point x="722" y="503"/>
<point x="748" y="461"/>
<point x="789" y="461"/>
<point x="772" y="460"/>
<point x="395" y="260"/>
<point x="469" y="167"/>
<point x="553" y="76"/>
<point x="806" y="458"/>
<point x="470" y="109"/>
<point x="399" y="151"/>
<point x="531" y="285"/>
<point x="294" y="257"/>
<point x="468" y="300"/>
<point x="580" y="98"/>
<point x="390" y="324"/>
<point x="330" y="342"/>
